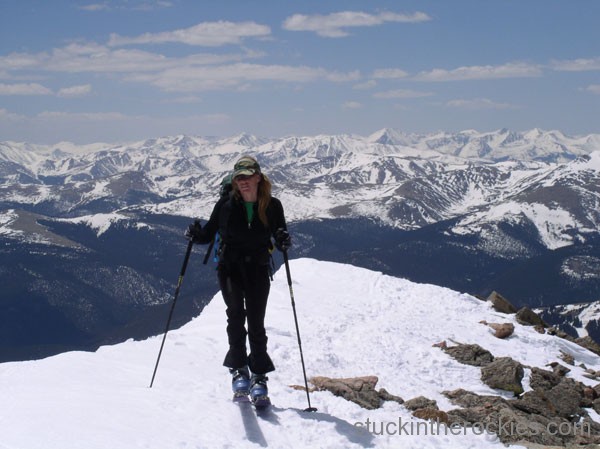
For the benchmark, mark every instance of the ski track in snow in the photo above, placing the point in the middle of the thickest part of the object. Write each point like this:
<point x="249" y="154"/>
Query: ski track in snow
<point x="353" y="322"/>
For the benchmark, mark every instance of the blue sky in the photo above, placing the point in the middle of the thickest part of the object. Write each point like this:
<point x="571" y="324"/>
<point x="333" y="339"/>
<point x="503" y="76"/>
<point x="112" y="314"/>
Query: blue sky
<point x="89" y="71"/>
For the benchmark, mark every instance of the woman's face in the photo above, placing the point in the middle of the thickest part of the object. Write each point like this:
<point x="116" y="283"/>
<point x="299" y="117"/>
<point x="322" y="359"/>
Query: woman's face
<point x="247" y="183"/>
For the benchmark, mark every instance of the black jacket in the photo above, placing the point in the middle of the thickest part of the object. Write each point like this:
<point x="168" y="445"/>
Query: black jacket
<point x="242" y="241"/>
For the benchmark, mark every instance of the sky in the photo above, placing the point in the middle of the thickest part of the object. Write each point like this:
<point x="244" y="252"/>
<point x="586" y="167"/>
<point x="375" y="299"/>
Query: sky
<point x="114" y="71"/>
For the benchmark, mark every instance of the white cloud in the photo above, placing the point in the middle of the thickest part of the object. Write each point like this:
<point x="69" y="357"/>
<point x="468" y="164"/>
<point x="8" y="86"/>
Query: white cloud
<point x="93" y="7"/>
<point x="577" y="65"/>
<point x="79" y="58"/>
<point x="509" y="70"/>
<point x="82" y="116"/>
<point x="333" y="25"/>
<point x="147" y="5"/>
<point x="207" y="34"/>
<point x="478" y="103"/>
<point x="195" y="79"/>
<point x="75" y="91"/>
<point x="402" y="93"/>
<point x="389" y="73"/>
<point x="370" y="84"/>
<point x="352" y="105"/>
<point x="6" y="116"/>
<point x="24" y="89"/>
<point x="593" y="88"/>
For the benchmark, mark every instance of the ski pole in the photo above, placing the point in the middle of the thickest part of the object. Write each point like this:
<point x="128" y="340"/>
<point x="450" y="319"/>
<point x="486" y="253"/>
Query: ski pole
<point x="179" y="282"/>
<point x="289" y="280"/>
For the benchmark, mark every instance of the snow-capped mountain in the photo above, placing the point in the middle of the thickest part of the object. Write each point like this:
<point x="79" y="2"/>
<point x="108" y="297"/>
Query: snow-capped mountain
<point x="406" y="181"/>
<point x="86" y="229"/>
<point x="370" y="325"/>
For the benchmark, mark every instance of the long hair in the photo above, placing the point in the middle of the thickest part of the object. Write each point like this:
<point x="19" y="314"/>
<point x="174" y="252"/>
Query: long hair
<point x="263" y="197"/>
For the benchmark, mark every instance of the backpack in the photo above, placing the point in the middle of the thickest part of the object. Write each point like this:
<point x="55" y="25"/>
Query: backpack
<point x="225" y="189"/>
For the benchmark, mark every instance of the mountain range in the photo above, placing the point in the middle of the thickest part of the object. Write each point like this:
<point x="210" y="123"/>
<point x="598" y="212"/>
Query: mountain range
<point x="92" y="234"/>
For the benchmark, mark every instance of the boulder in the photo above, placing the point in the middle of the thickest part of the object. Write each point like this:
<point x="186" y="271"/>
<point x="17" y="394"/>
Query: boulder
<point x="528" y="317"/>
<point x="500" y="303"/>
<point x="473" y="355"/>
<point x="420" y="402"/>
<point x="360" y="390"/>
<point x="504" y="373"/>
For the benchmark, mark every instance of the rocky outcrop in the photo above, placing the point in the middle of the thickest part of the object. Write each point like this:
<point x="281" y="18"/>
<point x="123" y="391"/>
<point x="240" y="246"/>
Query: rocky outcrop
<point x="528" y="317"/>
<point x="360" y="390"/>
<point x="503" y="373"/>
<point x="473" y="355"/>
<point x="551" y="414"/>
<point x="500" y="303"/>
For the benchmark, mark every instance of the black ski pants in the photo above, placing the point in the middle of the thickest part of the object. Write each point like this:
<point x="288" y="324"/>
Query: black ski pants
<point x="245" y="288"/>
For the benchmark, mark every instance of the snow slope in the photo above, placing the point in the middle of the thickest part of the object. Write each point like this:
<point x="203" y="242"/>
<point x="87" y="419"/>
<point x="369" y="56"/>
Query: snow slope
<point x="353" y="322"/>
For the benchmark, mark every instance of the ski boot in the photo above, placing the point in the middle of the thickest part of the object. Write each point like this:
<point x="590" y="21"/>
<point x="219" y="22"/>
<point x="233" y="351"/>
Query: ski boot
<point x="259" y="393"/>
<point x="240" y="383"/>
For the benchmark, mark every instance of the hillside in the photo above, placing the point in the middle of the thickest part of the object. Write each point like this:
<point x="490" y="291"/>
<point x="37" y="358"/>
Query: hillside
<point x="353" y="322"/>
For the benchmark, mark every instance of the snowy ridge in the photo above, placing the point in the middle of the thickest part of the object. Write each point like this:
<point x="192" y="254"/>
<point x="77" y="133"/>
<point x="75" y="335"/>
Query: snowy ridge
<point x="353" y="322"/>
<point x="407" y="181"/>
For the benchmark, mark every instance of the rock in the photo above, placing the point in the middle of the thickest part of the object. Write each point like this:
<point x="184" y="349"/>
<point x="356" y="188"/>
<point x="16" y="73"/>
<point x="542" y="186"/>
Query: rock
<point x="540" y="329"/>
<point x="500" y="303"/>
<point x="566" y="398"/>
<point x="469" y="399"/>
<point x="596" y="405"/>
<point x="528" y="317"/>
<point x="360" y="390"/>
<point x="543" y="380"/>
<point x="504" y="373"/>
<point x="385" y="396"/>
<point x="567" y="358"/>
<point x="473" y="355"/>
<point x="420" y="402"/>
<point x="432" y="414"/>
<point x="503" y="330"/>
<point x="557" y="368"/>
<point x="534" y="402"/>
<point x="565" y="394"/>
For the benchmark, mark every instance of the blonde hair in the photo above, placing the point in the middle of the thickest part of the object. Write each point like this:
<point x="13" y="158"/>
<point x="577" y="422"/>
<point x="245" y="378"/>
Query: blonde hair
<point x="263" y="199"/>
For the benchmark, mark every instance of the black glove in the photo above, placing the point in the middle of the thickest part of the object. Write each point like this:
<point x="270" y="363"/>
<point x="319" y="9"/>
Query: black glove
<point x="194" y="232"/>
<point x="283" y="241"/>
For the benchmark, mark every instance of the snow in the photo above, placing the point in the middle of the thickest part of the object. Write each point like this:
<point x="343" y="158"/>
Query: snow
<point x="353" y="322"/>
<point x="99" y="222"/>
<point x="550" y="223"/>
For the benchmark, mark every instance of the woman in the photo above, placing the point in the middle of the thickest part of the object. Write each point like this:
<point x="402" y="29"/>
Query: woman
<point x="246" y="220"/>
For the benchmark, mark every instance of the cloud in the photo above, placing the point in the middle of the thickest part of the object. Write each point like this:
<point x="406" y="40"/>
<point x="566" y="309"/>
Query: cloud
<point x="366" y="85"/>
<point x="509" y="70"/>
<point x="79" y="58"/>
<point x="195" y="79"/>
<point x="206" y="34"/>
<point x="577" y="65"/>
<point x="333" y="25"/>
<point x="478" y="103"/>
<point x="145" y="5"/>
<point x="352" y="105"/>
<point x="93" y="7"/>
<point x="75" y="91"/>
<point x="593" y="88"/>
<point x="389" y="73"/>
<point x="24" y="89"/>
<point x="6" y="116"/>
<point x="402" y="93"/>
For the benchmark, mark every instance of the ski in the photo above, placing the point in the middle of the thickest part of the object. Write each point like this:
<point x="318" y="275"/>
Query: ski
<point x="240" y="396"/>
<point x="261" y="402"/>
